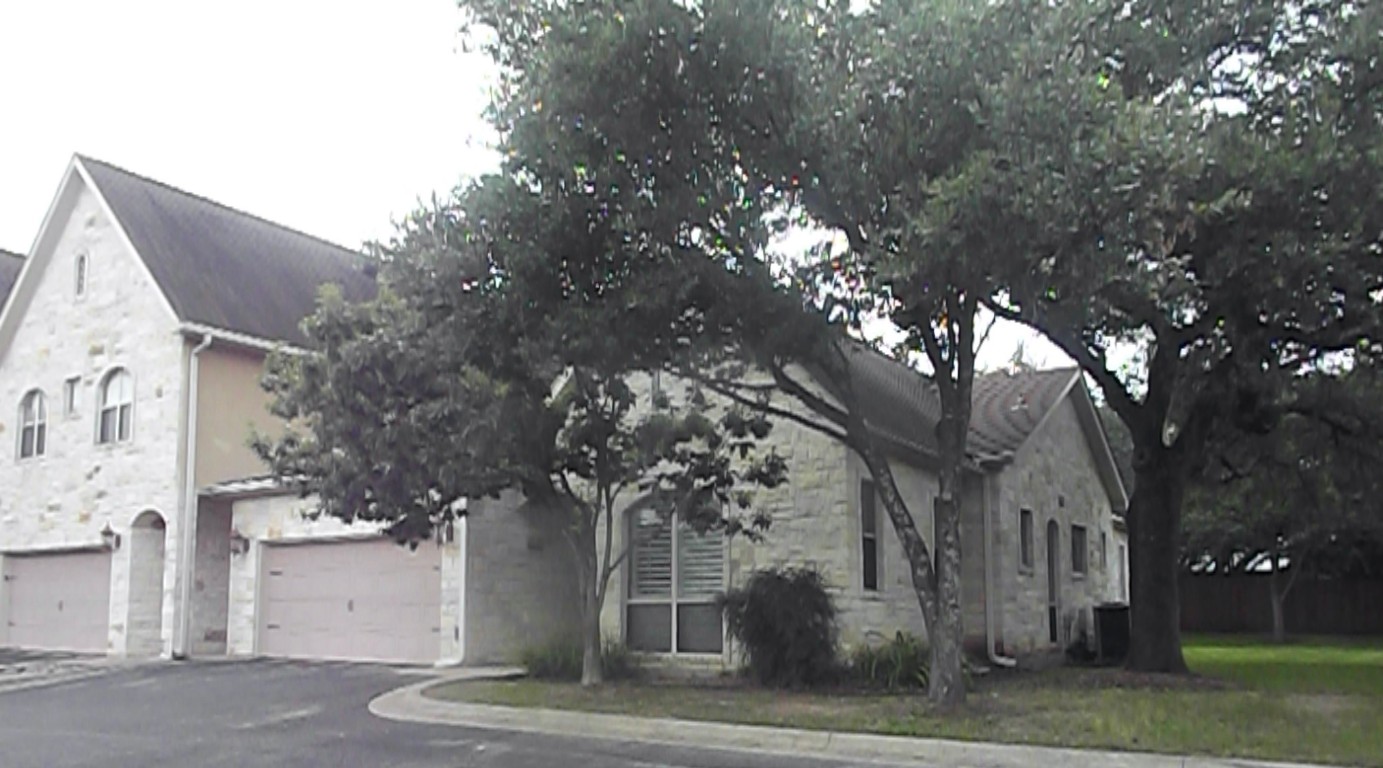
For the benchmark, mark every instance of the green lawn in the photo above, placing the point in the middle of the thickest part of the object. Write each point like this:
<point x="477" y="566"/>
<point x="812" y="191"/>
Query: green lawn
<point x="1307" y="665"/>
<point x="1318" y="701"/>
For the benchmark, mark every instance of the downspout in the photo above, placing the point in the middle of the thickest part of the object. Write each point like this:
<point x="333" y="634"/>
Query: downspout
<point x="987" y="482"/>
<point x="182" y="642"/>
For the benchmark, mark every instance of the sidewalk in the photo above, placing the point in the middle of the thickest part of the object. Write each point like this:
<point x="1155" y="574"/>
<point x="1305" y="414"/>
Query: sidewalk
<point x="21" y="670"/>
<point x="408" y="704"/>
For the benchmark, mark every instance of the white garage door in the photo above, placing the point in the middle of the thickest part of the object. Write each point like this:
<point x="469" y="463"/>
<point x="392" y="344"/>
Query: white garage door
<point x="365" y="601"/>
<point x="58" y="602"/>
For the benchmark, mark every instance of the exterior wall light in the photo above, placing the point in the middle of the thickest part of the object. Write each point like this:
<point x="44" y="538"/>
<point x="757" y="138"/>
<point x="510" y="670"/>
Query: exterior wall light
<point x="109" y="538"/>
<point x="239" y="545"/>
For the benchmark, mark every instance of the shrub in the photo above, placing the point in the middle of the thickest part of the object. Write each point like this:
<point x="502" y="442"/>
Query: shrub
<point x="561" y="660"/>
<point x="786" y="623"/>
<point x="903" y="662"/>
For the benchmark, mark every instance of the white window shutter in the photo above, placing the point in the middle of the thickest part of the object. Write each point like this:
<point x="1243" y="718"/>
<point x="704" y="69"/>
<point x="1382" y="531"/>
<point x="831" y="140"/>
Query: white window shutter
<point x="700" y="563"/>
<point x="652" y="558"/>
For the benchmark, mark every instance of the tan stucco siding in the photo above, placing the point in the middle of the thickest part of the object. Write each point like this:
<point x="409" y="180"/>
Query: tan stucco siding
<point x="230" y="406"/>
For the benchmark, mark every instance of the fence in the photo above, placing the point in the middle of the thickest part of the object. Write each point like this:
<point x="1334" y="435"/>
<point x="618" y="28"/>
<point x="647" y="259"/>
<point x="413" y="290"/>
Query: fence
<point x="1242" y="604"/>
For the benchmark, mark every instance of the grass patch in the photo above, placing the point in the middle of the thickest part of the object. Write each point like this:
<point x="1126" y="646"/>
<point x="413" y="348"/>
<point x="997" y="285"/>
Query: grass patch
<point x="1304" y="665"/>
<point x="1315" y="701"/>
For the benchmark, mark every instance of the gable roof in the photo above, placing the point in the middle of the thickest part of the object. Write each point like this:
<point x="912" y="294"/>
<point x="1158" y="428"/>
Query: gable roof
<point x="1008" y="406"/>
<point x="902" y="405"/>
<point x="224" y="268"/>
<point x="10" y="264"/>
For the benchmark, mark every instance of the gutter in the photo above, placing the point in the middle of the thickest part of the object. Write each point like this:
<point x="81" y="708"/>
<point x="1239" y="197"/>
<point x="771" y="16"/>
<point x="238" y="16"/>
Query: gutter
<point x="187" y="542"/>
<point x="988" y="483"/>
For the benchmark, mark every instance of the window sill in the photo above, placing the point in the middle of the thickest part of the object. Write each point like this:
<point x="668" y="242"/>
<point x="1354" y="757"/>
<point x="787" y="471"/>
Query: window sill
<point x="1026" y="570"/>
<point x="1078" y="575"/>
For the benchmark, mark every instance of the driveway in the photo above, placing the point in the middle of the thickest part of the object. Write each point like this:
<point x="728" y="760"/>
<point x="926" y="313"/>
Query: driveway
<point x="279" y="713"/>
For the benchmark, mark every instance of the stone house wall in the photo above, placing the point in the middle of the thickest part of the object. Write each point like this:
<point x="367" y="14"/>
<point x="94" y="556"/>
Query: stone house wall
<point x="1054" y="475"/>
<point x="67" y="496"/>
<point x="520" y="581"/>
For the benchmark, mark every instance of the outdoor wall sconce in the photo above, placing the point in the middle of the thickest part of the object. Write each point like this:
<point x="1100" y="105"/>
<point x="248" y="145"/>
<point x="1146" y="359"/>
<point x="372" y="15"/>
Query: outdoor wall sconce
<point x="239" y="545"/>
<point x="445" y="532"/>
<point x="109" y="538"/>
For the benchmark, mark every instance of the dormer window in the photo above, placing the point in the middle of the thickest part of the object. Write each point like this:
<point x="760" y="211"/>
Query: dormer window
<point x="33" y="425"/>
<point x="80" y="274"/>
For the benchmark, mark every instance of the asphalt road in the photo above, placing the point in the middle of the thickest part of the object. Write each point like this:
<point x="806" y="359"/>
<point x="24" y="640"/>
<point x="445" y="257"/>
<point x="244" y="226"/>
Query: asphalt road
<point x="278" y="713"/>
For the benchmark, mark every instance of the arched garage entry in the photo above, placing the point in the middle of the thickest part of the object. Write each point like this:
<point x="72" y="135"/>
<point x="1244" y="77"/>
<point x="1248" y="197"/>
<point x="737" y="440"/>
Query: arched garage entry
<point x="148" y="543"/>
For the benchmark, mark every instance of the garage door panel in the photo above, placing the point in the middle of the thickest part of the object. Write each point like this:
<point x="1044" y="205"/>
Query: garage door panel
<point x="368" y="600"/>
<point x="58" y="601"/>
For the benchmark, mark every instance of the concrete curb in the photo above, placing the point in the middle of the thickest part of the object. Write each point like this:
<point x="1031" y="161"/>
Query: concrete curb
<point x="408" y="704"/>
<point x="45" y="679"/>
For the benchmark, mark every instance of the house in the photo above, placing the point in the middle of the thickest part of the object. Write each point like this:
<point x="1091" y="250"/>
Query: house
<point x="131" y="347"/>
<point x="136" y="520"/>
<point x="1042" y="532"/>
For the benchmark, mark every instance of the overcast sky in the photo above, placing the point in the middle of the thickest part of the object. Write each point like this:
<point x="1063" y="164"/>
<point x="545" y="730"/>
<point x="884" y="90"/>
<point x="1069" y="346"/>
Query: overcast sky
<point x="330" y="117"/>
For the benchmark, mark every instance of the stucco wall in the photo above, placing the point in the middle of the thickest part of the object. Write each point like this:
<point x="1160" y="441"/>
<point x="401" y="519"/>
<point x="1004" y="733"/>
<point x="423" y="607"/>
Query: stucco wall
<point x="231" y="404"/>
<point x="65" y="497"/>
<point x="1054" y="475"/>
<point x="283" y="518"/>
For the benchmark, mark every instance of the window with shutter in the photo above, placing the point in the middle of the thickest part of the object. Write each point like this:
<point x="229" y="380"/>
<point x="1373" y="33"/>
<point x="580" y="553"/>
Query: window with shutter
<point x="665" y="552"/>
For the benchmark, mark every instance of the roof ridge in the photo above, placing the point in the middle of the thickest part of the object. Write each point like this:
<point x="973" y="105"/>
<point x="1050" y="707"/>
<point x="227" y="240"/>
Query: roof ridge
<point x="12" y="254"/>
<point x="223" y="206"/>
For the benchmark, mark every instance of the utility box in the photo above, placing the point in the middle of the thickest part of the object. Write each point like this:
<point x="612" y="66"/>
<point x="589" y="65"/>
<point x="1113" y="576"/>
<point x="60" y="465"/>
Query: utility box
<point x="1112" y="630"/>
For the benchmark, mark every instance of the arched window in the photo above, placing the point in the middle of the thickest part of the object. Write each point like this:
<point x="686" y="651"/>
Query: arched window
<point x="79" y="278"/>
<point x="33" y="425"/>
<point x="116" y="416"/>
<point x="674" y="576"/>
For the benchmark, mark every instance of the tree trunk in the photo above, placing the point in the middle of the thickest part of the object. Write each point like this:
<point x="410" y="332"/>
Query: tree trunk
<point x="1277" y="595"/>
<point x="592" y="670"/>
<point x="1279" y="621"/>
<point x="1154" y="522"/>
<point x="947" y="683"/>
<point x="588" y="573"/>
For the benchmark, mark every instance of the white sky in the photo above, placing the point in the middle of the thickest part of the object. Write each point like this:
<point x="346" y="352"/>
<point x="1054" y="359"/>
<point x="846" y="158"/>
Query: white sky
<point x="330" y="117"/>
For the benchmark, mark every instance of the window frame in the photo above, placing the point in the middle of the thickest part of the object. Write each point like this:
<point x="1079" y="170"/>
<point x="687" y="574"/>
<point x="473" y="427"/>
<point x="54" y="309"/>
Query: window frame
<point x="1080" y="550"/>
<point x="869" y="539"/>
<point x="674" y="599"/>
<point x="123" y="411"/>
<point x="71" y="397"/>
<point x="33" y="416"/>
<point x="81" y="275"/>
<point x="1027" y="540"/>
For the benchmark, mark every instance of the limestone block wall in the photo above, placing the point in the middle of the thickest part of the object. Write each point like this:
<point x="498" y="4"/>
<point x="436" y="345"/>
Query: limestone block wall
<point x="65" y="497"/>
<point x="284" y="518"/>
<point x="211" y="583"/>
<point x="1054" y="475"/>
<point x="520" y="581"/>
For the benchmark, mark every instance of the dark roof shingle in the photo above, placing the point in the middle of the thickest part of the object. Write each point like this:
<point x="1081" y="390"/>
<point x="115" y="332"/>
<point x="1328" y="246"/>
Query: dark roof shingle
<point x="10" y="264"/>
<point x="1008" y="406"/>
<point x="222" y="267"/>
<point x="902" y="404"/>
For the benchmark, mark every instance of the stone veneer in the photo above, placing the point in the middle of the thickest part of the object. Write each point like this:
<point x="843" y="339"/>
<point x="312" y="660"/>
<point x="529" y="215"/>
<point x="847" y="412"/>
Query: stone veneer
<point x="1054" y="475"/>
<point x="816" y="522"/>
<point x="64" y="498"/>
<point x="520" y="586"/>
